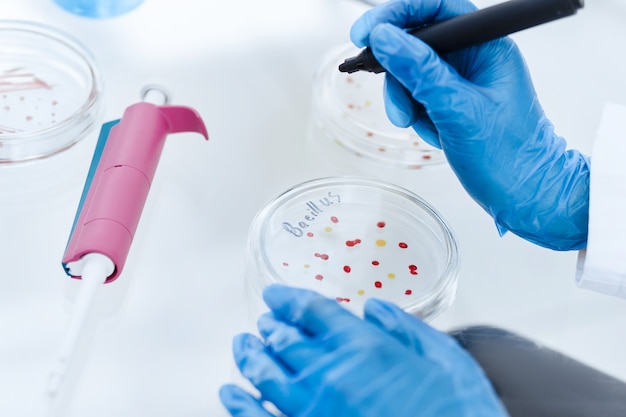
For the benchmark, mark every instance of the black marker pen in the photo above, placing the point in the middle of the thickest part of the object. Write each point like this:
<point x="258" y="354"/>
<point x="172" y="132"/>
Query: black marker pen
<point x="476" y="27"/>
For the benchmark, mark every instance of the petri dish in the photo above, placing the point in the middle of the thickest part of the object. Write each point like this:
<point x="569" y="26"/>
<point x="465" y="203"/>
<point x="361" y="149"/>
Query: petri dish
<point x="352" y="238"/>
<point x="349" y="124"/>
<point x="50" y="91"/>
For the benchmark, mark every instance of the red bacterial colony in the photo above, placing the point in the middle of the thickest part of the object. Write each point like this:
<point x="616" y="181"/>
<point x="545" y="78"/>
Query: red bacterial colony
<point x="378" y="284"/>
<point x="413" y="269"/>
<point x="380" y="225"/>
<point x="310" y="234"/>
<point x="347" y="269"/>
<point x="375" y="263"/>
<point x="322" y="256"/>
<point x="403" y="245"/>
<point x="341" y="299"/>
<point x="334" y="219"/>
<point x="319" y="277"/>
<point x="351" y="243"/>
<point x="408" y="292"/>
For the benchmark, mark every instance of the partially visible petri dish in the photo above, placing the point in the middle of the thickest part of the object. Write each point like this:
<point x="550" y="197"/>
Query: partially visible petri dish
<point x="50" y="91"/>
<point x="348" y="122"/>
<point x="353" y="238"/>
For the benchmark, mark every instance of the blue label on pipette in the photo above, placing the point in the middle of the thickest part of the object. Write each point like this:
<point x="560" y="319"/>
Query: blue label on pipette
<point x="95" y="161"/>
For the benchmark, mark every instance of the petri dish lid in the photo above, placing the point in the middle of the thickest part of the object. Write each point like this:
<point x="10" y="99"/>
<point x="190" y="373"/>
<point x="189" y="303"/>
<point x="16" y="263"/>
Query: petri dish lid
<point x="350" y="111"/>
<point x="353" y="238"/>
<point x="50" y="91"/>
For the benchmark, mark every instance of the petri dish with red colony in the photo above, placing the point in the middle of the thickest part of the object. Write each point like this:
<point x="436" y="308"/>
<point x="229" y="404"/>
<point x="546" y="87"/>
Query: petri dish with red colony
<point x="348" y="123"/>
<point x="50" y="91"/>
<point x="353" y="238"/>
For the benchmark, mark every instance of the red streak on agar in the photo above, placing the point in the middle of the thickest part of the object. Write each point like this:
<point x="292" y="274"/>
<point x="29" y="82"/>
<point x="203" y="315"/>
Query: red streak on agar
<point x="375" y="263"/>
<point x="403" y="245"/>
<point x="380" y="224"/>
<point x="319" y="277"/>
<point x="334" y="219"/>
<point x="347" y="269"/>
<point x="378" y="284"/>
<point x="408" y="292"/>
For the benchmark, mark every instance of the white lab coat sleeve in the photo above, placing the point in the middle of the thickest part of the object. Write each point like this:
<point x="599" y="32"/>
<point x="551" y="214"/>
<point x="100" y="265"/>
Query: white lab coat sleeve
<point x="602" y="265"/>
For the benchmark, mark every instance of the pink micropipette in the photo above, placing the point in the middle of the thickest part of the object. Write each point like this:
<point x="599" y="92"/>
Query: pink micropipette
<point x="116" y="189"/>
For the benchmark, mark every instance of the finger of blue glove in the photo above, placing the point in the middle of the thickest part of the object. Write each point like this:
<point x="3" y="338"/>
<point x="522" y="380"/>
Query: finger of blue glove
<point x="405" y="14"/>
<point x="412" y="332"/>
<point x="399" y="105"/>
<point x="314" y="314"/>
<point x="403" y="111"/>
<point x="429" y="79"/>
<point x="267" y="374"/>
<point x="240" y="403"/>
<point x="293" y="348"/>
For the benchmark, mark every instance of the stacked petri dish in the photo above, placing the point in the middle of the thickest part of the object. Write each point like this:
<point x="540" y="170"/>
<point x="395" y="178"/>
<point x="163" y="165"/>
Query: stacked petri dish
<point x="349" y="126"/>
<point x="352" y="238"/>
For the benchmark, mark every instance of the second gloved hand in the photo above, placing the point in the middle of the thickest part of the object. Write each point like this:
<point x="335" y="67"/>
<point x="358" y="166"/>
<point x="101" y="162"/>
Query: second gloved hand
<point x="479" y="105"/>
<point x="319" y="360"/>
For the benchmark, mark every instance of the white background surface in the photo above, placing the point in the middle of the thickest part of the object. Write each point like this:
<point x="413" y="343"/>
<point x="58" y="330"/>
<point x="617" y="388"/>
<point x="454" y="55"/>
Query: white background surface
<point x="162" y="347"/>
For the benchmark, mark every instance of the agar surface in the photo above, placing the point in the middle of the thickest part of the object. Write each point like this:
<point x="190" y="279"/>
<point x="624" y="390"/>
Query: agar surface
<point x="357" y="101"/>
<point x="339" y="262"/>
<point x="24" y="109"/>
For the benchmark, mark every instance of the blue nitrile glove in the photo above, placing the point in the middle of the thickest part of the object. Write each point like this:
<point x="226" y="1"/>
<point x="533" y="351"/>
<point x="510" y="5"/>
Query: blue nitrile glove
<point x="320" y="360"/>
<point x="479" y="105"/>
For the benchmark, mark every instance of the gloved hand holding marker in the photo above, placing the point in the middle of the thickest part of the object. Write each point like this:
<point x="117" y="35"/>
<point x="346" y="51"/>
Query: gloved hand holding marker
<point x="480" y="107"/>
<point x="476" y="27"/>
<point x="116" y="189"/>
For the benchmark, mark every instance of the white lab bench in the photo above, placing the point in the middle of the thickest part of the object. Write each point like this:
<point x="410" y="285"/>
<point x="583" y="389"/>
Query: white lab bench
<point x="162" y="343"/>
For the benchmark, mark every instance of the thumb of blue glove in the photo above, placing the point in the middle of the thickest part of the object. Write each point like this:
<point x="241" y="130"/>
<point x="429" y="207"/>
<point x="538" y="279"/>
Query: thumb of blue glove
<point x="480" y="107"/>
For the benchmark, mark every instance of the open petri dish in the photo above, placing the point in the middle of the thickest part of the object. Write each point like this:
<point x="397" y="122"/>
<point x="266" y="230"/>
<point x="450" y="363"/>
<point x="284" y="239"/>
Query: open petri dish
<point x="349" y="123"/>
<point x="50" y="91"/>
<point x="352" y="238"/>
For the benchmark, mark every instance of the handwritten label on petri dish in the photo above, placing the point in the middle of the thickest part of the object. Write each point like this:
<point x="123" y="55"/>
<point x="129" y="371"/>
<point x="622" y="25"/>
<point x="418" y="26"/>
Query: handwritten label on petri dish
<point x="310" y="213"/>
